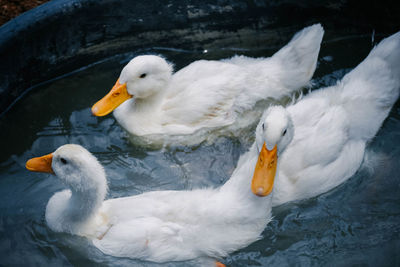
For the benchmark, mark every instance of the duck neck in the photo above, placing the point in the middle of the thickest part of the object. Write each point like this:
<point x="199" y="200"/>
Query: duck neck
<point x="150" y="103"/>
<point x="240" y="181"/>
<point x="238" y="190"/>
<point x="73" y="211"/>
<point x="84" y="204"/>
<point x="140" y="116"/>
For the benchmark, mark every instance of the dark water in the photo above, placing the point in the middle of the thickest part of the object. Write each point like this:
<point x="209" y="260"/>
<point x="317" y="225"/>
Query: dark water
<point x="357" y="223"/>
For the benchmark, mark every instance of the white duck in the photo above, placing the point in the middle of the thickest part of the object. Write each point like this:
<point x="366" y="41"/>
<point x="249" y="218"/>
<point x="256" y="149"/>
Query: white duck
<point x="328" y="129"/>
<point x="206" y="94"/>
<point x="159" y="226"/>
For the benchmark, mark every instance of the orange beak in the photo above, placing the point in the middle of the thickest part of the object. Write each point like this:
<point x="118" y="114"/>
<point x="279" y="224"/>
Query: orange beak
<point x="112" y="100"/>
<point x="264" y="173"/>
<point x="40" y="164"/>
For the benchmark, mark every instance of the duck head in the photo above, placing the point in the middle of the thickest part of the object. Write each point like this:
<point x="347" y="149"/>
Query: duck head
<point x="74" y="165"/>
<point x="141" y="78"/>
<point x="273" y="134"/>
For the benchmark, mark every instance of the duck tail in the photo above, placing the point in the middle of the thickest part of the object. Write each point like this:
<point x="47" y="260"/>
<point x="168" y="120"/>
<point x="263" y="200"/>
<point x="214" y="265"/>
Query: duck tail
<point x="371" y="89"/>
<point x="299" y="57"/>
<point x="388" y="50"/>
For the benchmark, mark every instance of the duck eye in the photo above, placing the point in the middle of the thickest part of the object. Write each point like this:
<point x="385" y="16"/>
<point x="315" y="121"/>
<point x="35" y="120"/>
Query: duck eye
<point x="143" y="75"/>
<point x="263" y="126"/>
<point x="64" y="161"/>
<point x="284" y="132"/>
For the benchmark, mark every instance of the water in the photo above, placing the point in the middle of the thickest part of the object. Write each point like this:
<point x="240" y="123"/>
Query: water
<point x="357" y="223"/>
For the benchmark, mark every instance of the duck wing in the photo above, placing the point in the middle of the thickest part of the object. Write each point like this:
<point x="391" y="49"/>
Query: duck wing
<point x="333" y="125"/>
<point x="203" y="95"/>
<point x="147" y="238"/>
<point x="353" y="110"/>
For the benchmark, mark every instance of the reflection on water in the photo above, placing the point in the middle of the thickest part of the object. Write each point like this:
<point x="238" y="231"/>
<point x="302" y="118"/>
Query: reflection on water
<point x="356" y="223"/>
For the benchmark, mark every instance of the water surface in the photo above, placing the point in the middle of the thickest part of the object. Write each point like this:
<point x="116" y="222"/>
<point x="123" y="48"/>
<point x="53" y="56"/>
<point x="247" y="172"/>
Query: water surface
<point x="357" y="223"/>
